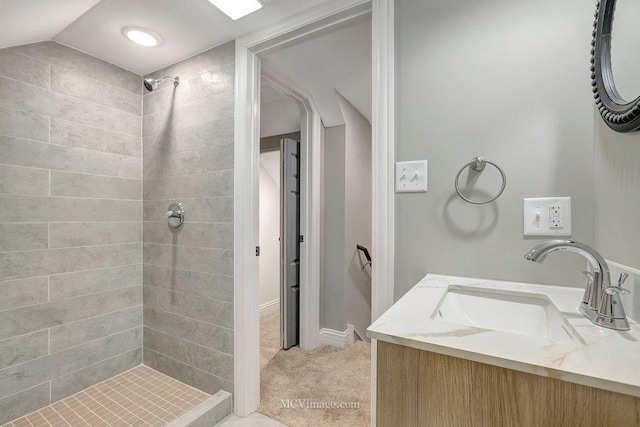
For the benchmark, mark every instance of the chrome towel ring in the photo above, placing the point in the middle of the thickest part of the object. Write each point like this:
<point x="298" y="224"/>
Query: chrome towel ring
<point x="478" y="164"/>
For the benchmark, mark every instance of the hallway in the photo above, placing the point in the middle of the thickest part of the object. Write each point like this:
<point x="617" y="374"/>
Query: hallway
<point x="304" y="378"/>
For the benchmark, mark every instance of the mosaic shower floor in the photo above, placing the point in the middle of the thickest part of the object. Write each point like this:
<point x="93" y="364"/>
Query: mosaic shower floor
<point x="138" y="397"/>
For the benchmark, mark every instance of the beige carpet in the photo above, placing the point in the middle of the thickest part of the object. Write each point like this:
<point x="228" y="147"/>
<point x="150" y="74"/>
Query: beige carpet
<point x="327" y="374"/>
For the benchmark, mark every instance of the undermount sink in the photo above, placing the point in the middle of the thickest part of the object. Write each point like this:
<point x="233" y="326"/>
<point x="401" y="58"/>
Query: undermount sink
<point x="506" y="311"/>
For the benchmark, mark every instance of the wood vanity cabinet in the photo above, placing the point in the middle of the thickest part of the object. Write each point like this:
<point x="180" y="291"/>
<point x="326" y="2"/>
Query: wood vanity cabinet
<point x="420" y="388"/>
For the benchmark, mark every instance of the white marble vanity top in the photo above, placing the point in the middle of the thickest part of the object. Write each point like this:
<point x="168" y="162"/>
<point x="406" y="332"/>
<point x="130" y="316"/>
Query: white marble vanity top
<point x="608" y="359"/>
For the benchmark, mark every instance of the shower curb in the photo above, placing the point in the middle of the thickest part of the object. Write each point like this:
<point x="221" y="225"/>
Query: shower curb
<point x="208" y="413"/>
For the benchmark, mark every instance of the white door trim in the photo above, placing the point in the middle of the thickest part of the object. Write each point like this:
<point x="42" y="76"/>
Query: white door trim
<point x="246" y="161"/>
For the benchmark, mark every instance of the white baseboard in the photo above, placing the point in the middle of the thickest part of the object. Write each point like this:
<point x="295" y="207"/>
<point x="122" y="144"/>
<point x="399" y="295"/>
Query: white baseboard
<point x="336" y="338"/>
<point x="269" y="307"/>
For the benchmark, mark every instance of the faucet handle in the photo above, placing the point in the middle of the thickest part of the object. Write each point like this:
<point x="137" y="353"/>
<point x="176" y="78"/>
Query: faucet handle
<point x="623" y="278"/>
<point x="617" y="290"/>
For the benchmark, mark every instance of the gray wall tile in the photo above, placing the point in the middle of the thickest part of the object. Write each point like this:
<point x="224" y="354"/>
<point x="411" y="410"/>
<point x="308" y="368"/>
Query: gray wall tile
<point x="31" y="373"/>
<point x="23" y="292"/>
<point x="210" y="133"/>
<point x="23" y="348"/>
<point x="19" y="265"/>
<point x="78" y="85"/>
<point x="84" y="112"/>
<point x="79" y="332"/>
<point x="60" y="209"/>
<point x="205" y="159"/>
<point x="191" y="306"/>
<point x="185" y="373"/>
<point x="69" y="285"/>
<point x="23" y="68"/>
<point x="22" y="124"/>
<point x="211" y="60"/>
<point x="209" y="109"/>
<point x="94" y="233"/>
<point x="210" y="184"/>
<point x="209" y="209"/>
<point x="24" y="97"/>
<point x="37" y="317"/>
<point x="202" y="333"/>
<point x="203" y="358"/>
<point x="79" y="380"/>
<point x="214" y="261"/>
<point x="23" y="403"/>
<point x="71" y="59"/>
<point x="204" y="235"/>
<point x="24" y="181"/>
<point x="94" y="186"/>
<point x="190" y="282"/>
<point x="23" y="237"/>
<point x="64" y="132"/>
<point x="21" y="152"/>
<point x="205" y="84"/>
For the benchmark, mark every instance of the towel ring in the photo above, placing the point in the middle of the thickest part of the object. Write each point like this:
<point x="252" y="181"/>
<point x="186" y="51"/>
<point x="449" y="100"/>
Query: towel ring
<point x="478" y="164"/>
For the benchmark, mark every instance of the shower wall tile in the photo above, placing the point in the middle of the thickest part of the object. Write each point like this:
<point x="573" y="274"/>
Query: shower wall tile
<point x="97" y="187"/>
<point x="203" y="358"/>
<point x="70" y="285"/>
<point x="204" y="235"/>
<point x="23" y="68"/>
<point x="195" y="331"/>
<point x="34" y="318"/>
<point x="24" y="125"/>
<point x="23" y="237"/>
<point x="84" y="87"/>
<point x="188" y="272"/>
<point x="206" y="285"/>
<point x="210" y="133"/>
<point x="72" y="134"/>
<point x="189" y="162"/>
<point x="23" y="292"/>
<point x="24" y="402"/>
<point x="92" y="234"/>
<point x="37" y="371"/>
<point x="69" y="384"/>
<point x="70" y="223"/>
<point x="60" y="209"/>
<point x="21" y="152"/>
<point x="77" y="333"/>
<point x="74" y="60"/>
<point x="206" y="209"/>
<point x="19" y="180"/>
<point x="18" y="265"/>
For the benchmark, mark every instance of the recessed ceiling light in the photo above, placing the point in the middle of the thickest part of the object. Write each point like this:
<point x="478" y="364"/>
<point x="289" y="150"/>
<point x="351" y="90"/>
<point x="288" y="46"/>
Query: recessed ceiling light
<point x="236" y="9"/>
<point x="142" y="37"/>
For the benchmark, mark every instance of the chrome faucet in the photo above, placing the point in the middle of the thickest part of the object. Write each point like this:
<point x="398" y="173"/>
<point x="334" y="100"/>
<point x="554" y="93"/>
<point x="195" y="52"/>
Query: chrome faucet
<point x="601" y="302"/>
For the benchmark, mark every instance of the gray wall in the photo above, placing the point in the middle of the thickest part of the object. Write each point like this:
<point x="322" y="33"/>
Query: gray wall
<point x="510" y="81"/>
<point x="70" y="224"/>
<point x="188" y="272"/>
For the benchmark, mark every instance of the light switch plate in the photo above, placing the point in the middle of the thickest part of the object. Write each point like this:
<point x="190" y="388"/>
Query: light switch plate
<point x="547" y="216"/>
<point x="411" y="177"/>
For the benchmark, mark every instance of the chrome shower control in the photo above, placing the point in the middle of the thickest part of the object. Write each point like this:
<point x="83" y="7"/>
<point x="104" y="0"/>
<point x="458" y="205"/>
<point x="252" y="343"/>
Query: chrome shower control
<point x="175" y="215"/>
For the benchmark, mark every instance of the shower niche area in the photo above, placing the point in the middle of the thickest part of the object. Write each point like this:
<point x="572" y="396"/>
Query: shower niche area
<point x="109" y="315"/>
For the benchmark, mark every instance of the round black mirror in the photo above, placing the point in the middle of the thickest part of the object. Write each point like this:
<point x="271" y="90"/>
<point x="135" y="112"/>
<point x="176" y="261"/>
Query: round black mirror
<point x="617" y="95"/>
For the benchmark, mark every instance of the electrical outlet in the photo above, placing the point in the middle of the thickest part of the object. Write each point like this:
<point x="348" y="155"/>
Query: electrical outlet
<point x="547" y="216"/>
<point x="411" y="177"/>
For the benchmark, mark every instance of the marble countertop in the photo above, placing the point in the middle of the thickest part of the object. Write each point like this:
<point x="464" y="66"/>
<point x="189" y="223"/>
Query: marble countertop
<point x="607" y="359"/>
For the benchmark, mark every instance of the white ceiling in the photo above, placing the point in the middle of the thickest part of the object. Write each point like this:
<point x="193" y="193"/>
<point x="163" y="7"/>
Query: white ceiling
<point x="339" y="59"/>
<point x="279" y="114"/>
<point x="186" y="27"/>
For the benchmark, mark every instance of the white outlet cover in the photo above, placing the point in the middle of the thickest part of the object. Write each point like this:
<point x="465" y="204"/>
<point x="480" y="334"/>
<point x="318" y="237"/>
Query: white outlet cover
<point x="537" y="219"/>
<point x="411" y="177"/>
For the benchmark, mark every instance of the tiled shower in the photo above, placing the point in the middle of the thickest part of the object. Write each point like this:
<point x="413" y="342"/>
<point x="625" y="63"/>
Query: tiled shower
<point x="93" y="282"/>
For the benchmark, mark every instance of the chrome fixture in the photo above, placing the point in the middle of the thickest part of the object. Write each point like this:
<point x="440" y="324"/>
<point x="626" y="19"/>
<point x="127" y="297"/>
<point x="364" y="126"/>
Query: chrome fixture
<point x="152" y="84"/>
<point x="601" y="302"/>
<point x="175" y="215"/>
<point x="478" y="164"/>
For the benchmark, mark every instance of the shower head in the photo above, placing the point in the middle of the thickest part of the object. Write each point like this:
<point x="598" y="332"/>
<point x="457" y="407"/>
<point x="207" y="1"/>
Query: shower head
<point x="151" y="84"/>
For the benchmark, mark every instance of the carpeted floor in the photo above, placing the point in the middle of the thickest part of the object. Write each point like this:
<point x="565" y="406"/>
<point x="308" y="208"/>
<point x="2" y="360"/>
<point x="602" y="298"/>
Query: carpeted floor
<point x="324" y="375"/>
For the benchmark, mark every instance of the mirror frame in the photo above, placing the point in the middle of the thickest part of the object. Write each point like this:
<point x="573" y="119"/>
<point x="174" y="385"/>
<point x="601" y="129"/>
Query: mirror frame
<point x="618" y="114"/>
